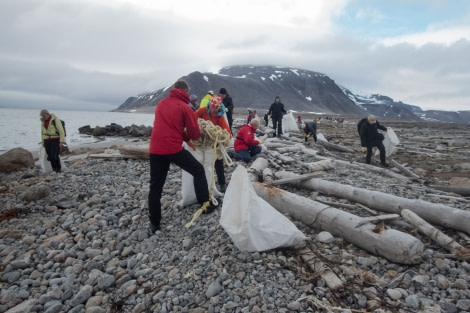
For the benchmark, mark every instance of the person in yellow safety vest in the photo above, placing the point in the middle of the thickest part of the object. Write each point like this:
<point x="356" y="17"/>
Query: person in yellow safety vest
<point x="205" y="100"/>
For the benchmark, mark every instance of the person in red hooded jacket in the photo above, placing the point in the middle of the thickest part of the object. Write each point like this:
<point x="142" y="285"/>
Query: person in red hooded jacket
<point x="245" y="145"/>
<point x="174" y="123"/>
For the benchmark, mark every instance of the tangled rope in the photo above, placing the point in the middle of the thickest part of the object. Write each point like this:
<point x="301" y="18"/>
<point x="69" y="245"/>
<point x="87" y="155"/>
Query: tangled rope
<point x="215" y="138"/>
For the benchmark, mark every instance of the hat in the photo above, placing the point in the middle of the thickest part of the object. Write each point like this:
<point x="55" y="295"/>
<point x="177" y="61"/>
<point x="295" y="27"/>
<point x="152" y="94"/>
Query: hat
<point x="255" y="122"/>
<point x="211" y="92"/>
<point x="215" y="102"/>
<point x="222" y="91"/>
<point x="193" y="97"/>
<point x="371" y="119"/>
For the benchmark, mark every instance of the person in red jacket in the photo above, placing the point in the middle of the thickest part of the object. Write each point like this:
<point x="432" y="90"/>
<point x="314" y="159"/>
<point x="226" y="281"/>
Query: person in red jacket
<point x="245" y="145"/>
<point x="214" y="112"/>
<point x="174" y="123"/>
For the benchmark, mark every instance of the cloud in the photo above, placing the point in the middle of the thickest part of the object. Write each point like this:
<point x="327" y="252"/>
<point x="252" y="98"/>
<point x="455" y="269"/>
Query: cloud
<point x="96" y="53"/>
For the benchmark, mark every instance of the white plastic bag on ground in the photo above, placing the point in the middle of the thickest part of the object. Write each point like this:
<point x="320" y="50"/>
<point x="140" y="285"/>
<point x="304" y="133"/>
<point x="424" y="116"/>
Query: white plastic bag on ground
<point x="321" y="137"/>
<point x="46" y="167"/>
<point x="205" y="157"/>
<point x="390" y="142"/>
<point x="252" y="223"/>
<point x="289" y="124"/>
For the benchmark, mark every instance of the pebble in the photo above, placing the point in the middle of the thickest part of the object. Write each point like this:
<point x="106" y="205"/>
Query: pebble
<point x="81" y="245"/>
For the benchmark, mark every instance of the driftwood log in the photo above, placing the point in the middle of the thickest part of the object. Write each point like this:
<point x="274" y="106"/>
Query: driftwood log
<point x="391" y="244"/>
<point x="458" y="251"/>
<point x="435" y="213"/>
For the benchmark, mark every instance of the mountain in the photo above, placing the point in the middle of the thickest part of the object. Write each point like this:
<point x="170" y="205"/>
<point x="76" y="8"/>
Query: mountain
<point x="256" y="87"/>
<point x="384" y="106"/>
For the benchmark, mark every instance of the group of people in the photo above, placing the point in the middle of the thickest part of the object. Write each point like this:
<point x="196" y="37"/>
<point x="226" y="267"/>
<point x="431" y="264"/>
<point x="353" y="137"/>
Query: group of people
<point x="176" y="123"/>
<point x="226" y="108"/>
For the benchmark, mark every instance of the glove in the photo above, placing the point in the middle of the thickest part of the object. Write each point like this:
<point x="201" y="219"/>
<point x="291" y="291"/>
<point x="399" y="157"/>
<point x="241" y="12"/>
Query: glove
<point x="191" y="144"/>
<point x="363" y="149"/>
<point x="226" y="109"/>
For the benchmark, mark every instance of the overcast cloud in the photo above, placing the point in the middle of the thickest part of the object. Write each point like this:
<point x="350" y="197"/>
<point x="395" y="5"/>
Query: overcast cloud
<point x="93" y="54"/>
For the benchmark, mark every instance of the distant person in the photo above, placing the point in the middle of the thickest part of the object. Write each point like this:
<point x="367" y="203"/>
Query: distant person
<point x="193" y="102"/>
<point x="251" y="115"/>
<point x="266" y="118"/>
<point x="310" y="129"/>
<point x="173" y="124"/>
<point x="299" y="119"/>
<point x="370" y="137"/>
<point x="214" y="113"/>
<point x="205" y="100"/>
<point x="277" y="112"/>
<point x="52" y="138"/>
<point x="228" y="103"/>
<point x="245" y="145"/>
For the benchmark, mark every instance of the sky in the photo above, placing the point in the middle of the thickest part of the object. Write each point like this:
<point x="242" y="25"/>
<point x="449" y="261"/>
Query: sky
<point x="94" y="54"/>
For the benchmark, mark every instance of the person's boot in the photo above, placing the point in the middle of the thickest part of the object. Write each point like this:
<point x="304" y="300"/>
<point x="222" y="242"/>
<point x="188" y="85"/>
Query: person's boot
<point x="222" y="188"/>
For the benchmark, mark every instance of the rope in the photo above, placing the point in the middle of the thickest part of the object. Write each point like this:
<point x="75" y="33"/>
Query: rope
<point x="212" y="136"/>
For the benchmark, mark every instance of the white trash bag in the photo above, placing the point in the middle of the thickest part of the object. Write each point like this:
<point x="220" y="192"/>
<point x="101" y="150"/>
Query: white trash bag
<point x="46" y="167"/>
<point x="188" y="195"/>
<point x="252" y="223"/>
<point x="390" y="142"/>
<point x="289" y="124"/>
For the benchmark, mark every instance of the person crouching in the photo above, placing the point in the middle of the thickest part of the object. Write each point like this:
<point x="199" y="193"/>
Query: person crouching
<point x="245" y="145"/>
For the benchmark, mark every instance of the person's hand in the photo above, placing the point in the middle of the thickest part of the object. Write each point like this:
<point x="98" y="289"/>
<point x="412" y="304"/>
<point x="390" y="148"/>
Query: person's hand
<point x="226" y="109"/>
<point x="61" y="145"/>
<point x="363" y="149"/>
<point x="260" y="142"/>
<point x="389" y="128"/>
<point x="191" y="144"/>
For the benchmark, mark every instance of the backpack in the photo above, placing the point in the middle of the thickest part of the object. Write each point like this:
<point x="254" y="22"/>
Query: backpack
<point x="63" y="125"/>
<point x="360" y="123"/>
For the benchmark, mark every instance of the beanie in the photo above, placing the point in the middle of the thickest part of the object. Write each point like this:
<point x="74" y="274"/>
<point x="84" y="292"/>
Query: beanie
<point x="215" y="102"/>
<point x="193" y="97"/>
<point x="222" y="91"/>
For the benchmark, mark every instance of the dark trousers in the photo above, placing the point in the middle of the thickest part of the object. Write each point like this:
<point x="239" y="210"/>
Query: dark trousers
<point x="230" y="120"/>
<point x="245" y="155"/>
<point x="277" y="124"/>
<point x="220" y="171"/>
<point x="52" y="147"/>
<point x="381" y="148"/>
<point x="159" y="167"/>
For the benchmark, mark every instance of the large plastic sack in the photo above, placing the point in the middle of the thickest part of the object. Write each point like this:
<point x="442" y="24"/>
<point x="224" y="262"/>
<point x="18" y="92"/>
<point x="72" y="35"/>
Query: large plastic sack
<point x="289" y="123"/>
<point x="390" y="142"/>
<point x="252" y="223"/>
<point x="46" y="167"/>
<point x="205" y="157"/>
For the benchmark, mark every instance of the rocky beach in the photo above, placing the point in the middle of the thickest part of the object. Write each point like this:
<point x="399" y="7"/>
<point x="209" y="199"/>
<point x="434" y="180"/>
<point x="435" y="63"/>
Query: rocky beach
<point x="78" y="241"/>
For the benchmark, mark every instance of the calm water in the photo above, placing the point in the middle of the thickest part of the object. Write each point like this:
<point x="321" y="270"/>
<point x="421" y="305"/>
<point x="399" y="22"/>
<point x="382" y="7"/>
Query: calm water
<point x="22" y="128"/>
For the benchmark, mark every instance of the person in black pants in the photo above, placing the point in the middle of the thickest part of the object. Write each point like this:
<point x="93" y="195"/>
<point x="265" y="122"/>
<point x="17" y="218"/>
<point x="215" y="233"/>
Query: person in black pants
<point x="53" y="138"/>
<point x="228" y="103"/>
<point x="370" y="137"/>
<point x="310" y="129"/>
<point x="277" y="111"/>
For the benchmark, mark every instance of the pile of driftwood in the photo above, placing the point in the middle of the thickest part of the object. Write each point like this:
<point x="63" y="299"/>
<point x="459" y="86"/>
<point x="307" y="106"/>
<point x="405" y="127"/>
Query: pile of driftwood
<point x="284" y="157"/>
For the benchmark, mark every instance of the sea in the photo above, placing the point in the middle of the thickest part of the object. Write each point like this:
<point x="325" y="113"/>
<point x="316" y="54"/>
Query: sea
<point x="22" y="127"/>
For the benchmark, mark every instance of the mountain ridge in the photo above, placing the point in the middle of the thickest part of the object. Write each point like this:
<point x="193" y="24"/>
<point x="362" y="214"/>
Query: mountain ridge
<point x="256" y="87"/>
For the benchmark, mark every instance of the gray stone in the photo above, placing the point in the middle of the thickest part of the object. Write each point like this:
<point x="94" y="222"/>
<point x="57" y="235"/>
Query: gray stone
<point x="213" y="289"/>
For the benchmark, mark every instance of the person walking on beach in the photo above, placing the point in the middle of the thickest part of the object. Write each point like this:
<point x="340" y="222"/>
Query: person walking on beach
<point x="174" y="123"/>
<point x="370" y="137"/>
<point x="245" y="145"/>
<point x="212" y="113"/>
<point x="277" y="112"/>
<point x="228" y="103"/>
<point x="52" y="138"/>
